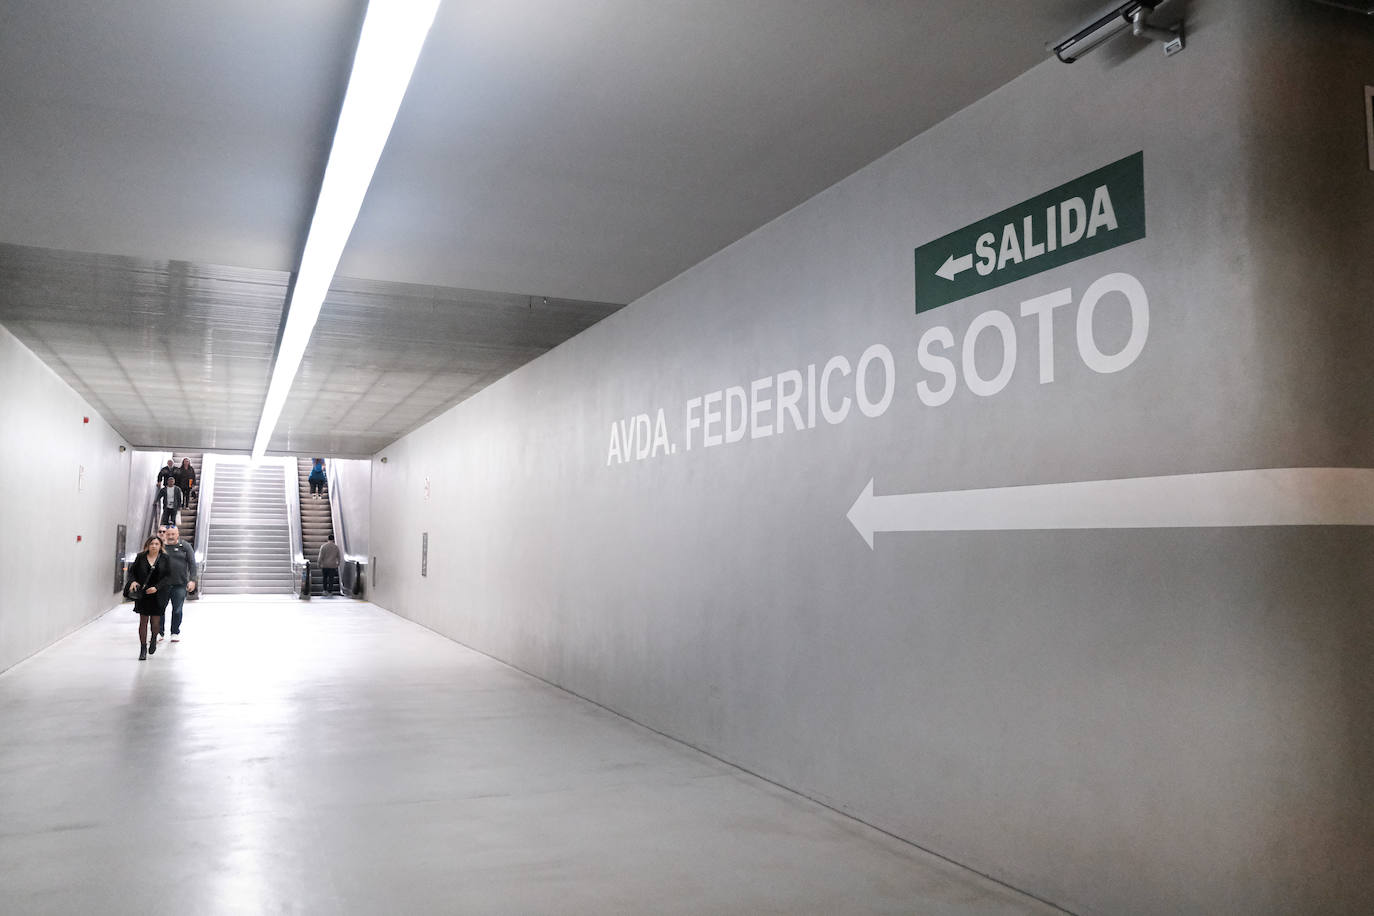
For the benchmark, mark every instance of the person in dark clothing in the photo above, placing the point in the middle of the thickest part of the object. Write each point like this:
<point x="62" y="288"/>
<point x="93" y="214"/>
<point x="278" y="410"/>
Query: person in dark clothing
<point x="317" y="479"/>
<point x="147" y="575"/>
<point x="166" y="473"/>
<point x="186" y="480"/>
<point x="170" y="497"/>
<point x="181" y="576"/>
<point x="329" y="565"/>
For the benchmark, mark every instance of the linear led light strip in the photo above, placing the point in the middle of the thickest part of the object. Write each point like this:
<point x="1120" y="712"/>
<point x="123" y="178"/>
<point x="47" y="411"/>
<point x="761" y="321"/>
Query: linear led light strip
<point x="388" y="47"/>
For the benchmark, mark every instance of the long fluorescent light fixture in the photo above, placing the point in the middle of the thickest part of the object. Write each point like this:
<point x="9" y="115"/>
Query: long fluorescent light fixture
<point x="388" y="47"/>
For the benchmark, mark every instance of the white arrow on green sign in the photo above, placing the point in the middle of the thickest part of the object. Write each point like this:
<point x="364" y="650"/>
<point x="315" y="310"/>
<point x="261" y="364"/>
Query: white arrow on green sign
<point x="1093" y="213"/>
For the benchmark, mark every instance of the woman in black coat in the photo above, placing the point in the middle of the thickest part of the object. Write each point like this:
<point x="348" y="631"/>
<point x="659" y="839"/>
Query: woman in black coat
<point x="149" y="570"/>
<point x="186" y="480"/>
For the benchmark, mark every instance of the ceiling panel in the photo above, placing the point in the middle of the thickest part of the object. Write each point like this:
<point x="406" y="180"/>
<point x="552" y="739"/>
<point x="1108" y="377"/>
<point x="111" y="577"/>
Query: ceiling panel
<point x="193" y="130"/>
<point x="387" y="357"/>
<point x="171" y="354"/>
<point x="177" y="355"/>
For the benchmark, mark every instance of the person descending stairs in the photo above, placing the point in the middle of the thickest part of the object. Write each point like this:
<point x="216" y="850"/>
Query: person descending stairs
<point x="187" y="516"/>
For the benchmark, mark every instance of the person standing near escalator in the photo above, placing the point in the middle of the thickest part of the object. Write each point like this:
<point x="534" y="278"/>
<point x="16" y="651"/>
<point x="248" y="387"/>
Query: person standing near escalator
<point x="328" y="561"/>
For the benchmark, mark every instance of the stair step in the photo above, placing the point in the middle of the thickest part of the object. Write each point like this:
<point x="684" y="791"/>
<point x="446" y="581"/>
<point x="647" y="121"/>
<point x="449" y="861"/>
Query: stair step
<point x="278" y="582"/>
<point x="237" y="582"/>
<point x="263" y="548"/>
<point x="233" y="569"/>
<point x="264" y="580"/>
<point x="266" y="548"/>
<point x="253" y="590"/>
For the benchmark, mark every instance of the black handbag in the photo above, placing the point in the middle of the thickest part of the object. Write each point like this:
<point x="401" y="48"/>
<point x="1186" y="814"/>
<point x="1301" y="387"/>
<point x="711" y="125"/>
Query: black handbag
<point x="128" y="592"/>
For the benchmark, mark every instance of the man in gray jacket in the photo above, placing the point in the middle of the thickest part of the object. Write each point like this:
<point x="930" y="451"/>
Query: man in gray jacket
<point x="181" y="559"/>
<point x="329" y="564"/>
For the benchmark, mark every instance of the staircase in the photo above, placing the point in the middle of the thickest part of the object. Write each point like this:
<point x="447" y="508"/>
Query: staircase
<point x="317" y="523"/>
<point x="248" y="548"/>
<point x="186" y="528"/>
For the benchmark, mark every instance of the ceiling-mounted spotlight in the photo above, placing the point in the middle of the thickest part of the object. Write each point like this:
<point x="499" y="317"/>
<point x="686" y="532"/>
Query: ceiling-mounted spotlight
<point x="383" y="459"/>
<point x="1112" y="20"/>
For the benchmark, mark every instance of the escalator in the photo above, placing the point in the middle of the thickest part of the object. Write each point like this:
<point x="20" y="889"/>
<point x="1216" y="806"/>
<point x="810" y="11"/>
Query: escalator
<point x="317" y="523"/>
<point x="186" y="525"/>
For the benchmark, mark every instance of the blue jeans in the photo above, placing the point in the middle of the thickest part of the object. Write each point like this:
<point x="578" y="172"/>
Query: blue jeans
<point x="178" y="596"/>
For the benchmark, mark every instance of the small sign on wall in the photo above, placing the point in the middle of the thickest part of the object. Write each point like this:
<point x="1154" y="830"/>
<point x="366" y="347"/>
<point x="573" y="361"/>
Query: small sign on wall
<point x="424" y="554"/>
<point x="1093" y="213"/>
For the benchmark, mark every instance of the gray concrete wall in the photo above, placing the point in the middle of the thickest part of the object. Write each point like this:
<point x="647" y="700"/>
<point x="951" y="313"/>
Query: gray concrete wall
<point x="62" y="478"/>
<point x="350" y="486"/>
<point x="1120" y="720"/>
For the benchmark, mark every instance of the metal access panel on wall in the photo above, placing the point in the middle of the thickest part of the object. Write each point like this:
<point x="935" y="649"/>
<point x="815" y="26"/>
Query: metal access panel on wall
<point x="424" y="554"/>
<point x="121" y="540"/>
<point x="1369" y="122"/>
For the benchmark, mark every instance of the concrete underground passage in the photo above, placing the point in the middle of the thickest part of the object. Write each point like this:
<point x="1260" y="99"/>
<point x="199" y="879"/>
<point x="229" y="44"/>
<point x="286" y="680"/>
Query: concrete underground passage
<point x="784" y="458"/>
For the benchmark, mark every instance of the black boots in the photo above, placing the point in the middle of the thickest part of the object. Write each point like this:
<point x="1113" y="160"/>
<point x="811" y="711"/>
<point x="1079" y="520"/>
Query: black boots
<point x="142" y="651"/>
<point x="152" y="644"/>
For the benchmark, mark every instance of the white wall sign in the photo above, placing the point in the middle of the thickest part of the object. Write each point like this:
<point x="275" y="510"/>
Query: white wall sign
<point x="793" y="400"/>
<point x="825" y="393"/>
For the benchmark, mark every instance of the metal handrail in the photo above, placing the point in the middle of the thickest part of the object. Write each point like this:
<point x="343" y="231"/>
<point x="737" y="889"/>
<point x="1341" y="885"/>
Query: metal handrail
<point x="206" y="485"/>
<point x="340" y="524"/>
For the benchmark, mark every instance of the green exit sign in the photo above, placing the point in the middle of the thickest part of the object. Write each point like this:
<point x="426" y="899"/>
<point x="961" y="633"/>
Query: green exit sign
<point x="1094" y="213"/>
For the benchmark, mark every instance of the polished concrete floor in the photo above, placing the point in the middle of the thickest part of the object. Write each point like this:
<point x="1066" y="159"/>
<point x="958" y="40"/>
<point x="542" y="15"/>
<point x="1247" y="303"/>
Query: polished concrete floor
<point x="330" y="757"/>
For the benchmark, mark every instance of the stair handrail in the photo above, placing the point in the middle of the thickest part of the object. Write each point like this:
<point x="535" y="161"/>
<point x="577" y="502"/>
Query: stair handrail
<point x="206" y="483"/>
<point x="336" y="518"/>
<point x="340" y="525"/>
<point x="293" y="516"/>
<point x="154" y="517"/>
<point x="147" y="524"/>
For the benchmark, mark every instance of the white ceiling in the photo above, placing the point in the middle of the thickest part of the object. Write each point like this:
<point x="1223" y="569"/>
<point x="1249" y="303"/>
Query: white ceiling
<point x="585" y="150"/>
<point x="169" y="129"/>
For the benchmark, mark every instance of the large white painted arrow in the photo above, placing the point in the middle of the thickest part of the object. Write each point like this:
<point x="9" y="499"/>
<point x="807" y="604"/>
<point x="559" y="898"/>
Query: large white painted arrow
<point x="954" y="266"/>
<point x="1221" y="499"/>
